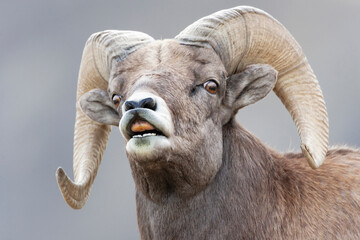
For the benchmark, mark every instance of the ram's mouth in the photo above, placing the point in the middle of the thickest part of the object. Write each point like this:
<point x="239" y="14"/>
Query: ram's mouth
<point x="140" y="128"/>
<point x="143" y="124"/>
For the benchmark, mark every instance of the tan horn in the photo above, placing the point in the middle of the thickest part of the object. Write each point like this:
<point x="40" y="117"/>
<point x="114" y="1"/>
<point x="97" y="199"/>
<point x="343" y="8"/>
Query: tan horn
<point x="245" y="35"/>
<point x="90" y="138"/>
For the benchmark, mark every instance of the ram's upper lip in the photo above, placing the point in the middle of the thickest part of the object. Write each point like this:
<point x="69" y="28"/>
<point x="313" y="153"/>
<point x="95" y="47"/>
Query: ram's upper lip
<point x="144" y="116"/>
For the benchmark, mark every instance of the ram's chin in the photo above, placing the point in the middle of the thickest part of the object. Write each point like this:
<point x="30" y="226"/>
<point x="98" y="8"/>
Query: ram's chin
<point x="148" y="148"/>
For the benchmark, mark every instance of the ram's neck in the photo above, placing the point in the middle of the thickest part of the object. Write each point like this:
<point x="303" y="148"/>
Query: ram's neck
<point x="242" y="184"/>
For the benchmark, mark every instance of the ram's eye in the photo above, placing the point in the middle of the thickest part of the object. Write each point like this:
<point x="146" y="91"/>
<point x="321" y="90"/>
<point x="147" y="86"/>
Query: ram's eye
<point x="210" y="86"/>
<point x="116" y="99"/>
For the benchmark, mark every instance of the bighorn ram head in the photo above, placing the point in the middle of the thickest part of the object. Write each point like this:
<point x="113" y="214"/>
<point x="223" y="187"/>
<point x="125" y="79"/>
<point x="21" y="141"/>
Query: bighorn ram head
<point x="173" y="97"/>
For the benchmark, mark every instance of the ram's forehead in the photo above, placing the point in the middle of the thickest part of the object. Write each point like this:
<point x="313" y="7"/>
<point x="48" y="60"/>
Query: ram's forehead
<point x="168" y="54"/>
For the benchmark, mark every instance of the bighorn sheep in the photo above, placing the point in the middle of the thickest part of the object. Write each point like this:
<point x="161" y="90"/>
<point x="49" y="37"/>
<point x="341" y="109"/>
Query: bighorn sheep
<point x="198" y="173"/>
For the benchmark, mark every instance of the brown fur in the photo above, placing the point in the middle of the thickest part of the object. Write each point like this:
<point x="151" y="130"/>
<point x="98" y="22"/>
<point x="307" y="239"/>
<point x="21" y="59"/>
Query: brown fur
<point x="260" y="194"/>
<point x="218" y="181"/>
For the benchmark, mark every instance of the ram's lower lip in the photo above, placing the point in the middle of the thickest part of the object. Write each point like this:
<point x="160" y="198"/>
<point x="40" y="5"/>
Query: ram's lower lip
<point x="149" y="148"/>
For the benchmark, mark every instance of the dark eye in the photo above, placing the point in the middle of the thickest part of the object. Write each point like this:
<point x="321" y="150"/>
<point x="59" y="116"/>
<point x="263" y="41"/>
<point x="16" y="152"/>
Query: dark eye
<point x="116" y="99"/>
<point x="211" y="86"/>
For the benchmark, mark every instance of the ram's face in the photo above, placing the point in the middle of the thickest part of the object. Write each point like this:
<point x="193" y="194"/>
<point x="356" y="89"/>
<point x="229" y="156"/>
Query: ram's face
<point x="170" y="99"/>
<point x="171" y="102"/>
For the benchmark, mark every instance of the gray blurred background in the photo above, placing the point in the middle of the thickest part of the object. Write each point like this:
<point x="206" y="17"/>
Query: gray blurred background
<point x="41" y="43"/>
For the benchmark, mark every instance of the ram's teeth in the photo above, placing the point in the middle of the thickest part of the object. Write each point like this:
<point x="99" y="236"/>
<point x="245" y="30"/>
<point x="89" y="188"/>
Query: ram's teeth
<point x="144" y="135"/>
<point x="149" y="134"/>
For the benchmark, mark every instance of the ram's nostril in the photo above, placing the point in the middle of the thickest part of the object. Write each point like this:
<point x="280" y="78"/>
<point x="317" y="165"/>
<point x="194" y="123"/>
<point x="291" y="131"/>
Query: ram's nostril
<point x="149" y="103"/>
<point x="131" y="105"/>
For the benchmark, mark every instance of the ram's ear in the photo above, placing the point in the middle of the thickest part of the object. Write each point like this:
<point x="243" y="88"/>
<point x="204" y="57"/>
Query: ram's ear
<point x="97" y="105"/>
<point x="249" y="86"/>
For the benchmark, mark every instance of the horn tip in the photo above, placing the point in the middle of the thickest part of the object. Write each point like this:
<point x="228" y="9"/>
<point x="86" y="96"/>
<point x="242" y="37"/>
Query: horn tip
<point x="313" y="160"/>
<point x="64" y="182"/>
<point x="61" y="177"/>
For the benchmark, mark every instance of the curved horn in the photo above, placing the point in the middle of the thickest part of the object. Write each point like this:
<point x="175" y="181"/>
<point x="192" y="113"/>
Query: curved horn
<point x="90" y="138"/>
<point x="246" y="35"/>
